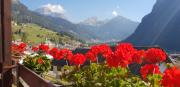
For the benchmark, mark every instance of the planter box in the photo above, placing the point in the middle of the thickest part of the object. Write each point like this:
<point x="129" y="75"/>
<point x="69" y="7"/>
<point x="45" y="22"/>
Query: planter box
<point x="29" y="78"/>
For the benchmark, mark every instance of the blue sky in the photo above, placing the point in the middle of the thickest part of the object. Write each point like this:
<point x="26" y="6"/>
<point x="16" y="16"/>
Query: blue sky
<point x="79" y="10"/>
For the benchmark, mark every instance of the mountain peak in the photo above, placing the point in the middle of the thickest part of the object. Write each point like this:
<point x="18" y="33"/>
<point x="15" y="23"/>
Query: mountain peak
<point x="120" y="18"/>
<point x="92" y="21"/>
<point x="51" y="10"/>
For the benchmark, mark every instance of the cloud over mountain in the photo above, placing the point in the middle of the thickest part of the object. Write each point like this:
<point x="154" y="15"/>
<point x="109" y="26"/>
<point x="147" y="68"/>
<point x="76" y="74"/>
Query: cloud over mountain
<point x="53" y="10"/>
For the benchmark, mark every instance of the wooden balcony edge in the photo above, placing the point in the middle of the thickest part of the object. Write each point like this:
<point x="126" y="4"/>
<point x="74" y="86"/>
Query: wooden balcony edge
<point x="33" y="79"/>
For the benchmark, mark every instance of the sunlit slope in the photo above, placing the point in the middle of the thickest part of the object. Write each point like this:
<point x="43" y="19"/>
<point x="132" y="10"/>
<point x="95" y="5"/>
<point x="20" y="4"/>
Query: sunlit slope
<point x="36" y="34"/>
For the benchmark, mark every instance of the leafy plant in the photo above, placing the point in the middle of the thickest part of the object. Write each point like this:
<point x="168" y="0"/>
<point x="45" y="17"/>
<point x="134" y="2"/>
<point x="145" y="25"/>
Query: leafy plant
<point x="112" y="72"/>
<point x="100" y="75"/>
<point x="39" y="63"/>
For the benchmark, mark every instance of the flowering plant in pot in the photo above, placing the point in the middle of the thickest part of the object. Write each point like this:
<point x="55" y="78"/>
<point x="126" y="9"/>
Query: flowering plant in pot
<point x="111" y="72"/>
<point x="38" y="61"/>
<point x="115" y="71"/>
<point x="86" y="69"/>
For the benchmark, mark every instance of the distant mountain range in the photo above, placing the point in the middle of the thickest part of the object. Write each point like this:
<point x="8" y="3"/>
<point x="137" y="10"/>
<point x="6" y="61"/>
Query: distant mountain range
<point x="115" y="29"/>
<point x="91" y="30"/>
<point x="21" y="14"/>
<point x="160" y="27"/>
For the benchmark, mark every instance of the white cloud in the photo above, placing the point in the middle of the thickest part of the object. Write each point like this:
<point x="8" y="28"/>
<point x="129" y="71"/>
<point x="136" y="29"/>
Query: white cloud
<point x="54" y="8"/>
<point x="114" y="13"/>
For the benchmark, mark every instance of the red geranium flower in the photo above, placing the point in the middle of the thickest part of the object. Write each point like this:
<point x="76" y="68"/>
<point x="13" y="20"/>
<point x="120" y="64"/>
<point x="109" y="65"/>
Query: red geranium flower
<point x="22" y="47"/>
<point x="69" y="55"/>
<point x="138" y="56"/>
<point x="105" y="50"/>
<point x="96" y="50"/>
<point x="35" y="49"/>
<point x="40" y="61"/>
<point x="122" y="55"/>
<point x="92" y="57"/>
<point x="18" y="48"/>
<point x="44" y="47"/>
<point x="54" y="52"/>
<point x="149" y="70"/>
<point x="113" y="61"/>
<point x="155" y="55"/>
<point x="171" y="78"/>
<point x="14" y="47"/>
<point x="93" y="53"/>
<point x="78" y="59"/>
<point x="65" y="53"/>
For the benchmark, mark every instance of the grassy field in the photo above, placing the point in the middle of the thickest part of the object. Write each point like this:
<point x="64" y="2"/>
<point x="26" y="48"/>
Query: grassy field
<point x="36" y="34"/>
